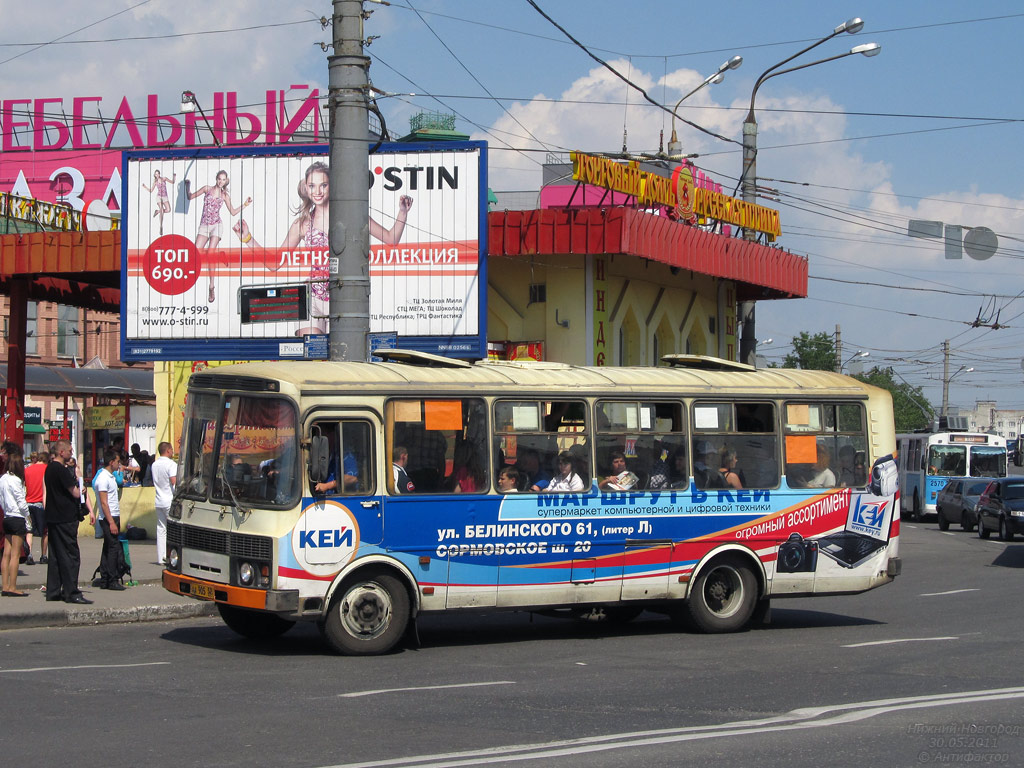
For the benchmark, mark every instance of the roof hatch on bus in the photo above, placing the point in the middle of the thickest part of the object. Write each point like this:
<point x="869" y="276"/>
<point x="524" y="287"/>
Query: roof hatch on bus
<point x="705" y="363"/>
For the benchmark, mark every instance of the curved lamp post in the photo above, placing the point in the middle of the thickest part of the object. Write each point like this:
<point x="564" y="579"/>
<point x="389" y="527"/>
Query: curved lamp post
<point x="945" y="388"/>
<point x="675" y="147"/>
<point x="748" y="179"/>
<point x="851" y="358"/>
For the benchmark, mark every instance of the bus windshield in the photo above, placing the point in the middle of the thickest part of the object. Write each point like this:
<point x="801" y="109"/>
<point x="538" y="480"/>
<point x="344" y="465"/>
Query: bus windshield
<point x="240" y="450"/>
<point x="949" y="460"/>
<point x="988" y="461"/>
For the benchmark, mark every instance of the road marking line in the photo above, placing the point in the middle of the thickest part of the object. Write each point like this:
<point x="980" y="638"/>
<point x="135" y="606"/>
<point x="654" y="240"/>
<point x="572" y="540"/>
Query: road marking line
<point x="84" y="666"/>
<point x="901" y="640"/>
<point x="950" y="592"/>
<point x="797" y="719"/>
<point x="356" y="694"/>
<point x="947" y="533"/>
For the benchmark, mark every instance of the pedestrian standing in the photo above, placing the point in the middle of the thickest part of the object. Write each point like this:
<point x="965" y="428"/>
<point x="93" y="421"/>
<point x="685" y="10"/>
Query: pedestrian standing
<point x="164" y="473"/>
<point x="35" y="495"/>
<point x="109" y="513"/>
<point x="12" y="499"/>
<point x="63" y="507"/>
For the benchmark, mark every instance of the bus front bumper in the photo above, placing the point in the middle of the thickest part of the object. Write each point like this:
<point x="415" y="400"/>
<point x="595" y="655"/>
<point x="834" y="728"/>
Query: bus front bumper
<point x="274" y="600"/>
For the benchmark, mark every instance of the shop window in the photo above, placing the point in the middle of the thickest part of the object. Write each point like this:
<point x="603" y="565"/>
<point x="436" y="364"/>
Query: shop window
<point x="32" y="329"/>
<point x="67" y="330"/>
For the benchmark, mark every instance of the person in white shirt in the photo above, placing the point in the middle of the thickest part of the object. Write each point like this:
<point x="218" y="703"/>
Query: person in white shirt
<point x="12" y="497"/>
<point x="109" y="513"/>
<point x="823" y="477"/>
<point x="566" y="479"/>
<point x="164" y="472"/>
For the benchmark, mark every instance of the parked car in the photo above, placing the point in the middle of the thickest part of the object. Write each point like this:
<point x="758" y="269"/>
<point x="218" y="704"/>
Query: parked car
<point x="957" y="500"/>
<point x="1001" y="508"/>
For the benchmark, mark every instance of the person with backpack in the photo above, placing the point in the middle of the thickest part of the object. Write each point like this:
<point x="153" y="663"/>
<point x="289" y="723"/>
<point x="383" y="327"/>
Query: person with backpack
<point x="109" y="514"/>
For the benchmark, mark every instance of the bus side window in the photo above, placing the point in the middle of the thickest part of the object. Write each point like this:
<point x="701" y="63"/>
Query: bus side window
<point x="823" y="441"/>
<point x="349" y="458"/>
<point x="530" y="435"/>
<point x="446" y="441"/>
<point x="735" y="445"/>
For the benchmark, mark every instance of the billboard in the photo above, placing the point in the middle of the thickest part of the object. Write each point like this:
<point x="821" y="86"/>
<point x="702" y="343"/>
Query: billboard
<point x="226" y="256"/>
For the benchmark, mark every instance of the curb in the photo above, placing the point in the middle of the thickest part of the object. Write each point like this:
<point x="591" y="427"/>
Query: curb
<point x="76" y="617"/>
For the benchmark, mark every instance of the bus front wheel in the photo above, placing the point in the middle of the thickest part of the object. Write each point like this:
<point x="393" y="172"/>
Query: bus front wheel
<point x="723" y="596"/>
<point x="254" y="625"/>
<point x="368" y="615"/>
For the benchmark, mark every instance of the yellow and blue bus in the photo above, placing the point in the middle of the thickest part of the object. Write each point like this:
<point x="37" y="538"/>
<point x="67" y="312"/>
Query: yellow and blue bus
<point x="362" y="495"/>
<point x="927" y="460"/>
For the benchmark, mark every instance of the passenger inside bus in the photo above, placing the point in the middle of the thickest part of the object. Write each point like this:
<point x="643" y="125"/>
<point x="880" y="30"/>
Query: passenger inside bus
<point x="730" y="475"/>
<point x="823" y="476"/>
<point x="509" y="480"/>
<point x="705" y="466"/>
<point x="619" y="477"/>
<point x="528" y="464"/>
<point x="678" y="472"/>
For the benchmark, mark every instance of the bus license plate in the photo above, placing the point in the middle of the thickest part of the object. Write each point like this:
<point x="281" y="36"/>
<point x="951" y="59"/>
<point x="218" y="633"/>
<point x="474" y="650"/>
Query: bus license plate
<point x="202" y="591"/>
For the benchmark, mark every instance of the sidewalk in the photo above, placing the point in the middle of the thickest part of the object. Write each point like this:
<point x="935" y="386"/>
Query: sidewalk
<point x="148" y="601"/>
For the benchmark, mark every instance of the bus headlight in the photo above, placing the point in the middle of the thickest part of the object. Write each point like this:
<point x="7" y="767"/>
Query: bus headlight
<point x="246" y="574"/>
<point x="173" y="558"/>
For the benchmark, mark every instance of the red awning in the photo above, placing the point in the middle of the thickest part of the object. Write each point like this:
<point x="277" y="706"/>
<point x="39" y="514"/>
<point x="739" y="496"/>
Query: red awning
<point x="82" y="269"/>
<point x="760" y="271"/>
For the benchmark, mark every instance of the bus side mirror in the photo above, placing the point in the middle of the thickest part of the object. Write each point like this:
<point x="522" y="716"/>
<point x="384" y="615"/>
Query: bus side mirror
<point x="319" y="459"/>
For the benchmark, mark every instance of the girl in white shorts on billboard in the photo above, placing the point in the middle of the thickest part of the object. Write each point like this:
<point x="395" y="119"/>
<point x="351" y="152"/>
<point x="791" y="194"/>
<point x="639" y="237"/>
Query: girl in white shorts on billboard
<point x="210" y="225"/>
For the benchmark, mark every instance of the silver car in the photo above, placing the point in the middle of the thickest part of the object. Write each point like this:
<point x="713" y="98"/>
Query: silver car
<point x="957" y="500"/>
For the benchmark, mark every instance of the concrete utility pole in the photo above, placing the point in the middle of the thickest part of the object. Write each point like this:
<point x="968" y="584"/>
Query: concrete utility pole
<point x="350" y="194"/>
<point x="945" y="378"/>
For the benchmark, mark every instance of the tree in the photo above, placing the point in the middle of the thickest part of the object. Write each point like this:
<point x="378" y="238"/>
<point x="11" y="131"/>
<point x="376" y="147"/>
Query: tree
<point x="910" y="408"/>
<point x="812" y="353"/>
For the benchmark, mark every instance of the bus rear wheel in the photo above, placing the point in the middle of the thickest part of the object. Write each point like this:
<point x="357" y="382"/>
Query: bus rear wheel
<point x="723" y="596"/>
<point x="368" y="615"/>
<point x="254" y="625"/>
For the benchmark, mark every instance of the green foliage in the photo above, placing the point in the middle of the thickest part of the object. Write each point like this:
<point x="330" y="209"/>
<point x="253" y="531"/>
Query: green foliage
<point x="812" y="353"/>
<point x="910" y="408"/>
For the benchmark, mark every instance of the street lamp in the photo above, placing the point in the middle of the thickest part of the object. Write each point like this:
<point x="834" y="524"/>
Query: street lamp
<point x="945" y="387"/>
<point x="748" y="179"/>
<point x="675" y="147"/>
<point x="859" y="353"/>
<point x="189" y="103"/>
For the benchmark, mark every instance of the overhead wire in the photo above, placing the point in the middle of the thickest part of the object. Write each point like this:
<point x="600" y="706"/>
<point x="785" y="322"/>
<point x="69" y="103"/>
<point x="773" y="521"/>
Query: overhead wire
<point x="475" y="78"/>
<point x="37" y="46"/>
<point x="619" y="75"/>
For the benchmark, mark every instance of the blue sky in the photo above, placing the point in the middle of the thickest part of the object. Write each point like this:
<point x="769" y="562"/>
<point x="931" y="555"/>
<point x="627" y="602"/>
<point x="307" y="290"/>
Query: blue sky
<point x="863" y="144"/>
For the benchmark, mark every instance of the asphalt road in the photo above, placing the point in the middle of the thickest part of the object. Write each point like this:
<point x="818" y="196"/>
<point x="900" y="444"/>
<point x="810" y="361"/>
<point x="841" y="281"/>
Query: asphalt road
<point x="923" y="671"/>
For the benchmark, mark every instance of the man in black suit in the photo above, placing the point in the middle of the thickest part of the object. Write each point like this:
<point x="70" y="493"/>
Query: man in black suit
<point x="63" y="507"/>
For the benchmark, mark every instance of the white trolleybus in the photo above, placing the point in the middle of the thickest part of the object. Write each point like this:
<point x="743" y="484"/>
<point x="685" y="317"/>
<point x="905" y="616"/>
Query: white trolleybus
<point x="928" y="459"/>
<point x="360" y="495"/>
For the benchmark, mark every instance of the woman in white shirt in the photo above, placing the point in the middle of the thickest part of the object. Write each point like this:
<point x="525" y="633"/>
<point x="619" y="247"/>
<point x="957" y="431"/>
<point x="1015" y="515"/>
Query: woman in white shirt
<point x="566" y="479"/>
<point x="12" y="496"/>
